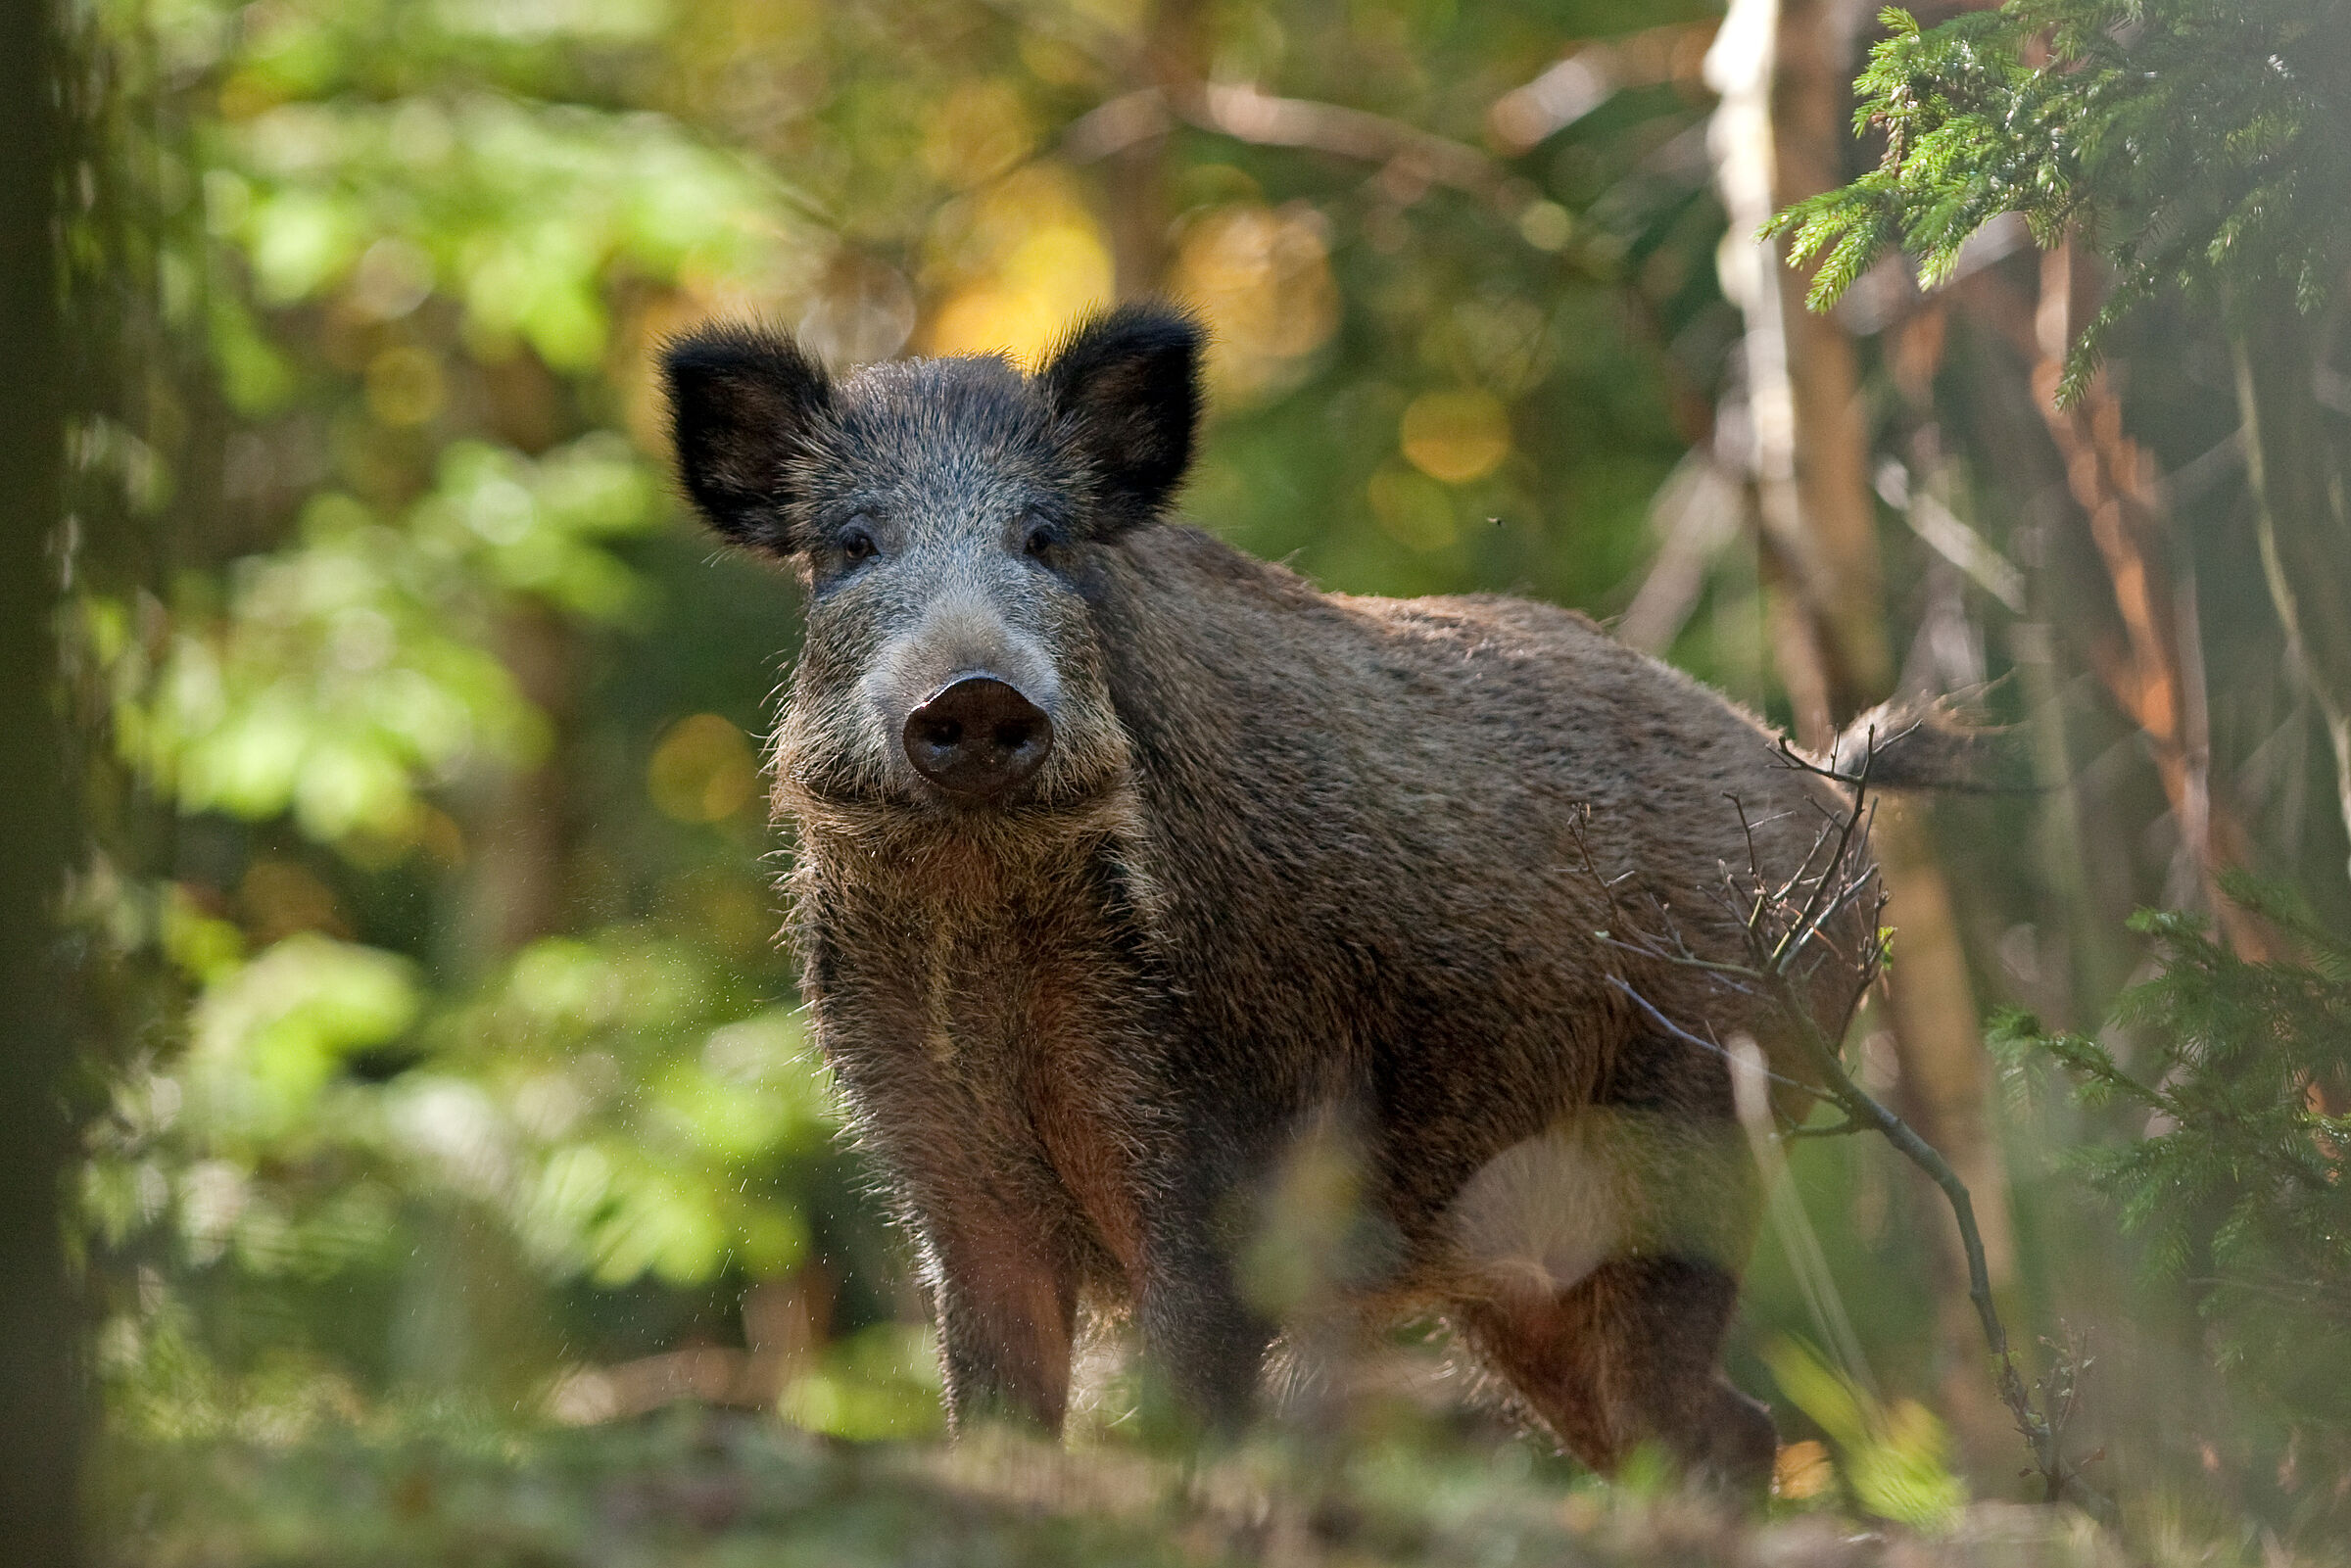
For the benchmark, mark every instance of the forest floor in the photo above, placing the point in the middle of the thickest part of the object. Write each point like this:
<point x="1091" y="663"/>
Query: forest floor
<point x="705" y="1490"/>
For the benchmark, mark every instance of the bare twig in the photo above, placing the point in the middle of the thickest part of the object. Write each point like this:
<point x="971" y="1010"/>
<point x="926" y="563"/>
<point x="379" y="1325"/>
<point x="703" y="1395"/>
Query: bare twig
<point x="1594" y="74"/>
<point x="1687" y="1038"/>
<point x="1789" y="929"/>
<point x="1834" y="1130"/>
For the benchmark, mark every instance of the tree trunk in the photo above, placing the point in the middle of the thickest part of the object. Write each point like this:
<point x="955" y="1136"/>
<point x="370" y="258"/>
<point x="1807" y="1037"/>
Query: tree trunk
<point x="2296" y="455"/>
<point x="522" y="843"/>
<point x="1171" y="57"/>
<point x="41" y="1387"/>
<point x="2153" y="673"/>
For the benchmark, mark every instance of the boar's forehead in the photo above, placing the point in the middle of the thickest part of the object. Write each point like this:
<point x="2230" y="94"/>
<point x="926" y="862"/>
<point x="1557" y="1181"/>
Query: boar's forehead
<point x="946" y="442"/>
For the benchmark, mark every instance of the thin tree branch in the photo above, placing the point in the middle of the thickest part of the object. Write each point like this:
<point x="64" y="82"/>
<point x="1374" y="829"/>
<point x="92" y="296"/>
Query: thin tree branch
<point x="1245" y="113"/>
<point x="1703" y="1044"/>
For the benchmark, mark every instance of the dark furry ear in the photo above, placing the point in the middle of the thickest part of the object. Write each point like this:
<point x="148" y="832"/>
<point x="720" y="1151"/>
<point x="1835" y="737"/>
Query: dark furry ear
<point x="1125" y="383"/>
<point x="743" y="405"/>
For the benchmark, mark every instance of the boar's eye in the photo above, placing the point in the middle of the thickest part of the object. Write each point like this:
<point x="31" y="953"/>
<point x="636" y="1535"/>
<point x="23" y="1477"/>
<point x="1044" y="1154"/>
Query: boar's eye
<point x="1039" y="537"/>
<point x="857" y="544"/>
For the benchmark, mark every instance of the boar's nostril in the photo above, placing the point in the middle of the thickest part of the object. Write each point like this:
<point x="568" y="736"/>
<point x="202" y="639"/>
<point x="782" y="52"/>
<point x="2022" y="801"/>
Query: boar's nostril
<point x="978" y="736"/>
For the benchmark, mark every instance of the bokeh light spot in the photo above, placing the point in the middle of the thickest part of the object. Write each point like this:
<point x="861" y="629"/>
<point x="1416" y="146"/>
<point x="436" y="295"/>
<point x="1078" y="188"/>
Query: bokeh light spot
<point x="404" y="386"/>
<point x="1547" y="225"/>
<point x="1260" y="277"/>
<point x="702" y="769"/>
<point x="1019" y="262"/>
<point x="981" y="130"/>
<point x="1455" y="436"/>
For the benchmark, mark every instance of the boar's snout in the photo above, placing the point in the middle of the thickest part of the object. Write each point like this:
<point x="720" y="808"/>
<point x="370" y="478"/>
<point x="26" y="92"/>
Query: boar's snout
<point x="978" y="736"/>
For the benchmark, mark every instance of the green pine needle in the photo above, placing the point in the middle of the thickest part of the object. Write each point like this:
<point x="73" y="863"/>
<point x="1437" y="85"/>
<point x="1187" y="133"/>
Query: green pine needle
<point x="2197" y="144"/>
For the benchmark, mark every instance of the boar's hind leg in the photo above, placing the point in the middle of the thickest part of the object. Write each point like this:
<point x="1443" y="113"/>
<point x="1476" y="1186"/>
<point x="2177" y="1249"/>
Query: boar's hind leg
<point x="1628" y="1355"/>
<point x="1007" y="1310"/>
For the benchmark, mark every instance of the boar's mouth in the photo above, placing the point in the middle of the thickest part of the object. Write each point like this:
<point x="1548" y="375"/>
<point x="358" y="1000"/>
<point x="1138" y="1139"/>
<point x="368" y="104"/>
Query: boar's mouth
<point x="977" y="736"/>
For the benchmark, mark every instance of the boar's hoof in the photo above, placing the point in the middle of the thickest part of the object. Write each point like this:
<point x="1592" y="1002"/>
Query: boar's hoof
<point x="978" y="736"/>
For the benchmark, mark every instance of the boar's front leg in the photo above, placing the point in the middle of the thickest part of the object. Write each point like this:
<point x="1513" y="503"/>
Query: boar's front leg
<point x="1007" y="1307"/>
<point x="1200" y="1339"/>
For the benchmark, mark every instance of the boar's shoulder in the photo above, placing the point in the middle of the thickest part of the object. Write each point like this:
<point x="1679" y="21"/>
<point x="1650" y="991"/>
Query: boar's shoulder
<point x="1236" y="677"/>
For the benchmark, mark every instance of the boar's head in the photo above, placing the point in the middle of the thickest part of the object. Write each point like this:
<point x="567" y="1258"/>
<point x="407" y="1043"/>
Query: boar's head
<point x="948" y="518"/>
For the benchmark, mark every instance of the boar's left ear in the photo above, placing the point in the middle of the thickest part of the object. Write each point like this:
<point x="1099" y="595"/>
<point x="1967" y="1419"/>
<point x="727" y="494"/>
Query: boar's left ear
<point x="744" y="407"/>
<point x="1126" y="386"/>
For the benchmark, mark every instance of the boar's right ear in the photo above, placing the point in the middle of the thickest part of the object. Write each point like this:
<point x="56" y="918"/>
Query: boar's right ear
<point x="1126" y="386"/>
<point x="744" y="406"/>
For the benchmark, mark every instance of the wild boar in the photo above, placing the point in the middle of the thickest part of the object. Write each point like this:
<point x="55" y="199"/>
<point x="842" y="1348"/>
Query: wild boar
<point x="1124" y="861"/>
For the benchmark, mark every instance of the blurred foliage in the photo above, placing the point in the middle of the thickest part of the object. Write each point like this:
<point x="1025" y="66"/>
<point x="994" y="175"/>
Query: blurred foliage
<point x="702" y="1491"/>
<point x="2233" y="1185"/>
<point x="2199" y="142"/>
<point x="1898" y="1457"/>
<point x="442" y="1069"/>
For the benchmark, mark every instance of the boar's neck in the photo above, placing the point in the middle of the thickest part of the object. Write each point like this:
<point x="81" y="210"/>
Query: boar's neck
<point x="1248" y="701"/>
